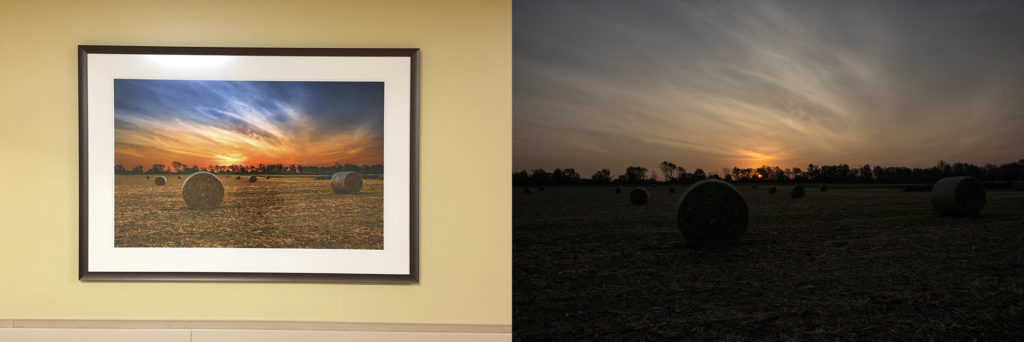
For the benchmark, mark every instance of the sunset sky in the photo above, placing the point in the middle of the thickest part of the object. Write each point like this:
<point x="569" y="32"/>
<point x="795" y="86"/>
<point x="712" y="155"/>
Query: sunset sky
<point x="714" y="84"/>
<point x="247" y="122"/>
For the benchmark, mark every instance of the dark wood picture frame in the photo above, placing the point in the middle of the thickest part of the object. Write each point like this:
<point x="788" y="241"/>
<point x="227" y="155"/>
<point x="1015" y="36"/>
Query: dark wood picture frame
<point x="85" y="274"/>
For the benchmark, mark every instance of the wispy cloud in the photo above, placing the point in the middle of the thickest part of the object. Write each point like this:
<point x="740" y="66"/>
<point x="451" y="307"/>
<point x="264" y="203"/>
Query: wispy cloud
<point x="716" y="84"/>
<point x="242" y="122"/>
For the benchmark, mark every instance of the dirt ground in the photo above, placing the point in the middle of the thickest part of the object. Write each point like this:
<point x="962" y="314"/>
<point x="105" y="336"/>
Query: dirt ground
<point x="848" y="264"/>
<point x="280" y="212"/>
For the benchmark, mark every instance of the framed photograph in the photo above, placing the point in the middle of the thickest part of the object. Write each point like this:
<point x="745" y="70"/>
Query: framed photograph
<point x="248" y="164"/>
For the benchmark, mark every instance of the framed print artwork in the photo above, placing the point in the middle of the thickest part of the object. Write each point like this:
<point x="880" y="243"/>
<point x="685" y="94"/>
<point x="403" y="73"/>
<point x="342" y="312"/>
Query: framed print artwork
<point x="248" y="164"/>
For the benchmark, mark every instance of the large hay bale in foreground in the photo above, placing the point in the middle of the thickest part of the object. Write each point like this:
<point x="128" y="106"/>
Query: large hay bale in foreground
<point x="160" y="181"/>
<point x="712" y="213"/>
<point x="618" y="189"/>
<point x="202" y="190"/>
<point x="346" y="182"/>
<point x="639" y="196"/>
<point x="958" y="196"/>
<point x="772" y="190"/>
<point x="797" y="192"/>
<point x="252" y="179"/>
<point x="823" y="188"/>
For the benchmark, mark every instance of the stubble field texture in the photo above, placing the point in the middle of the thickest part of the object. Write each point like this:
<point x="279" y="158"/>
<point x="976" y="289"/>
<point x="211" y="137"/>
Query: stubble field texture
<point x="280" y="212"/>
<point x="852" y="263"/>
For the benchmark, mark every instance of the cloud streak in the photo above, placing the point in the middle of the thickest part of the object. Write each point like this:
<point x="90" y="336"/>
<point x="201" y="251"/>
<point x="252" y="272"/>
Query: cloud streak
<point x="247" y="122"/>
<point x="719" y="84"/>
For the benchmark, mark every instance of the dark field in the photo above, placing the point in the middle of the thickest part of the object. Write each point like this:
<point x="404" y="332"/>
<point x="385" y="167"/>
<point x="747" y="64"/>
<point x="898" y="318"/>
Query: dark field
<point x="281" y="212"/>
<point x="847" y="264"/>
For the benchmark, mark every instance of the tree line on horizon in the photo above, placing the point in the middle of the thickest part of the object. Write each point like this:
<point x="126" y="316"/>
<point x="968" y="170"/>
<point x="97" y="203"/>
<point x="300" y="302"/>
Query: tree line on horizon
<point x="275" y="169"/>
<point x="840" y="173"/>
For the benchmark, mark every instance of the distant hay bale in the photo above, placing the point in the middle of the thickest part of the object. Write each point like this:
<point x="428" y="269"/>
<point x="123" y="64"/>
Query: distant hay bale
<point x="179" y="176"/>
<point x="541" y="188"/>
<point x="202" y="190"/>
<point x="672" y="190"/>
<point x="712" y="213"/>
<point x="527" y="190"/>
<point x="797" y="192"/>
<point x="238" y="177"/>
<point x="252" y="179"/>
<point x="147" y="176"/>
<point x="618" y="189"/>
<point x="823" y="188"/>
<point x="918" y="188"/>
<point x="346" y="182"/>
<point x="772" y="190"/>
<point x="639" y="196"/>
<point x="160" y="180"/>
<point x="268" y="177"/>
<point x="958" y="196"/>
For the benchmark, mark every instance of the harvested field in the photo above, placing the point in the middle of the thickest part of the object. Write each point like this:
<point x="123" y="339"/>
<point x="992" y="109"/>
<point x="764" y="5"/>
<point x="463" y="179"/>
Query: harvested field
<point x="848" y="264"/>
<point x="282" y="212"/>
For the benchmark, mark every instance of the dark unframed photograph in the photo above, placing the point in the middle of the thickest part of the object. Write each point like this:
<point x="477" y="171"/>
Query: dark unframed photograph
<point x="766" y="170"/>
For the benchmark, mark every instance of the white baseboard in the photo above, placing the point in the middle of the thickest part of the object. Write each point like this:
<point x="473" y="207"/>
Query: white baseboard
<point x="47" y="330"/>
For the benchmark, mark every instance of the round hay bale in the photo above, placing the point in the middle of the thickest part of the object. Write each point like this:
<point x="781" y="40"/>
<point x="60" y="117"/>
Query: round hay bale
<point x="823" y="188"/>
<point x="268" y="177"/>
<point x="672" y="190"/>
<point x="238" y="177"/>
<point x="958" y="196"/>
<point x="1018" y="186"/>
<point x="639" y="196"/>
<point x="712" y="213"/>
<point x="160" y="181"/>
<point x="252" y="179"/>
<point x="772" y="190"/>
<point x="797" y="192"/>
<point x="202" y="190"/>
<point x="147" y="176"/>
<point x="618" y="189"/>
<point x="179" y="177"/>
<point x="541" y="188"/>
<point x="527" y="190"/>
<point x="346" y="182"/>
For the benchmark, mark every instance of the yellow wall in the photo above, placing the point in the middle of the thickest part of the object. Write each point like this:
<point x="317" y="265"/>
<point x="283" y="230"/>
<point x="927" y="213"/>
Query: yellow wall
<point x="466" y="111"/>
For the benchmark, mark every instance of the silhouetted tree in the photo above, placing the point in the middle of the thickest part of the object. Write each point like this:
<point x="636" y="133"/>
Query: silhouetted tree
<point x="157" y="168"/>
<point x="602" y="176"/>
<point x="668" y="170"/>
<point x="540" y="177"/>
<point x="698" y="174"/>
<point x="520" y="178"/>
<point x="636" y="174"/>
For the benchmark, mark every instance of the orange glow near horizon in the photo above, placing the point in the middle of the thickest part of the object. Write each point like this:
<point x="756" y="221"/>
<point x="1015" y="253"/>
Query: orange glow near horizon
<point x="159" y="143"/>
